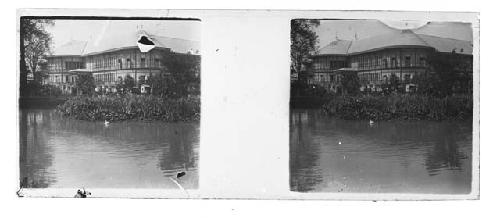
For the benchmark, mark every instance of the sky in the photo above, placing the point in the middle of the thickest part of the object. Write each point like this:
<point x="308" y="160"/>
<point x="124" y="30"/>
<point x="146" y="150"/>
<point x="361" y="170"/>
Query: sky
<point x="64" y="31"/>
<point x="329" y="30"/>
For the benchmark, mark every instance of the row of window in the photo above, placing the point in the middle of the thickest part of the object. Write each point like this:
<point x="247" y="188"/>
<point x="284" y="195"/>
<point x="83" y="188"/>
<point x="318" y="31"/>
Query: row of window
<point x="59" y="66"/>
<point x="112" y="77"/>
<point x="113" y="63"/>
<point x="62" y="79"/>
<point x="390" y="62"/>
<point x="364" y="78"/>
<point x="324" y="65"/>
<point x="103" y="63"/>
<point x="373" y="62"/>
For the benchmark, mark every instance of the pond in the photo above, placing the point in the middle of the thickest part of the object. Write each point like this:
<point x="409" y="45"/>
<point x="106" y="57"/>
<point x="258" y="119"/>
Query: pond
<point x="334" y="155"/>
<point x="59" y="152"/>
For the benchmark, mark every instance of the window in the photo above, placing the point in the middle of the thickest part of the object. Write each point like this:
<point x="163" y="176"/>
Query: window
<point x="422" y="61"/>
<point x="407" y="61"/>
<point x="393" y="62"/>
<point x="120" y="63"/>
<point x="386" y="65"/>
<point x="143" y="62"/>
<point x="157" y="62"/>
<point x="128" y="63"/>
<point x="332" y="65"/>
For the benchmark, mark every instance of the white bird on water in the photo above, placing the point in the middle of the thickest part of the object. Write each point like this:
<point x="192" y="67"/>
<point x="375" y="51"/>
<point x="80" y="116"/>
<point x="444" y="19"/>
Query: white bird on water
<point x="372" y="122"/>
<point x="106" y="123"/>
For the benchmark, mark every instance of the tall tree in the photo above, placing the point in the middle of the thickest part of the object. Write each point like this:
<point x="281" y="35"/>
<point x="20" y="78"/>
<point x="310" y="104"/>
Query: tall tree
<point x="304" y="40"/>
<point x="35" y="42"/>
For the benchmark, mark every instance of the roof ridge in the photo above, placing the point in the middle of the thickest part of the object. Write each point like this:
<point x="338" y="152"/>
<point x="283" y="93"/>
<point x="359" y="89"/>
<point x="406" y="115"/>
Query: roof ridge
<point x="349" y="47"/>
<point x="420" y="38"/>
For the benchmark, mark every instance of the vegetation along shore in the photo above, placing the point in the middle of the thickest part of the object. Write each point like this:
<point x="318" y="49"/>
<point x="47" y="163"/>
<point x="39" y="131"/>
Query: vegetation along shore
<point x="130" y="106"/>
<point x="400" y="106"/>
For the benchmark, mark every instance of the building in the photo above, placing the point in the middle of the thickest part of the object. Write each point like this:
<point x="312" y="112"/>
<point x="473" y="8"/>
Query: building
<point x="403" y="54"/>
<point x="113" y="57"/>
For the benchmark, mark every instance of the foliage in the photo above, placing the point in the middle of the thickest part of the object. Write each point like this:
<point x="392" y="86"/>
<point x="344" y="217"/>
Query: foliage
<point x="304" y="40"/>
<point x="130" y="106"/>
<point x="300" y="89"/>
<point x="34" y="89"/>
<point x="350" y="83"/>
<point x="182" y="78"/>
<point x="128" y="83"/>
<point x="35" y="42"/>
<point x="398" y="106"/>
<point x="449" y="76"/>
<point x="85" y="84"/>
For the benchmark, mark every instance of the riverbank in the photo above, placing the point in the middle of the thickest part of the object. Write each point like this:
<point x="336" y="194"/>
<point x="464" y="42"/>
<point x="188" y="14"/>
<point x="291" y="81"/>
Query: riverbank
<point x="400" y="106"/>
<point x="131" y="107"/>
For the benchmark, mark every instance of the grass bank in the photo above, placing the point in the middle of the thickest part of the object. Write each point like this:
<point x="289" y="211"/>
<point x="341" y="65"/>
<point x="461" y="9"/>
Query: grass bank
<point x="399" y="106"/>
<point x="130" y="107"/>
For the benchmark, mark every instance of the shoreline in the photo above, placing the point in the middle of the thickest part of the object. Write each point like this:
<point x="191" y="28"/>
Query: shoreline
<point x="115" y="108"/>
<point x="392" y="107"/>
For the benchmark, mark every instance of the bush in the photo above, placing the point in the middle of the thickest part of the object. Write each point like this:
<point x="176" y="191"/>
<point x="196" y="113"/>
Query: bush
<point x="127" y="107"/>
<point x="398" y="106"/>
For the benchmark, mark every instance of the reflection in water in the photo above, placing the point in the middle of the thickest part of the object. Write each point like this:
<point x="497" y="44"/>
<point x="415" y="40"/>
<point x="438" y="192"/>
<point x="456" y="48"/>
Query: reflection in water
<point x="332" y="155"/>
<point x="66" y="153"/>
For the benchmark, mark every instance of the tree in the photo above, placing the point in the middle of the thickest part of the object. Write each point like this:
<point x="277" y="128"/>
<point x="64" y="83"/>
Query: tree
<point x="350" y="83"/>
<point x="182" y="76"/>
<point x="393" y="83"/>
<point x="85" y="84"/>
<point x="128" y="83"/>
<point x="304" y="40"/>
<point x="448" y="76"/>
<point x="35" y="42"/>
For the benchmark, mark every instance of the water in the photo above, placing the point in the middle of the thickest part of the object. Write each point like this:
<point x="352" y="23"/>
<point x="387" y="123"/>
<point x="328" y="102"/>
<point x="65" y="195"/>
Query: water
<point x="58" y="152"/>
<point x="333" y="155"/>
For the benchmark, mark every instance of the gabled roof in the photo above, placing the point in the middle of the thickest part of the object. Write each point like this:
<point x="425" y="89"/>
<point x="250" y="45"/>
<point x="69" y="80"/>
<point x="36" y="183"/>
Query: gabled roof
<point x="119" y="40"/>
<point x="404" y="38"/>
<point x="116" y="40"/>
<point x="71" y="48"/>
<point x="339" y="47"/>
<point x="178" y="45"/>
<point x="398" y="39"/>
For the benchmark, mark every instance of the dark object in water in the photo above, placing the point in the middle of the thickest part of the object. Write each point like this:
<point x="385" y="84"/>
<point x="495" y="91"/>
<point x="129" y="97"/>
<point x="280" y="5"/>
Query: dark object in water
<point x="181" y="174"/>
<point x="82" y="194"/>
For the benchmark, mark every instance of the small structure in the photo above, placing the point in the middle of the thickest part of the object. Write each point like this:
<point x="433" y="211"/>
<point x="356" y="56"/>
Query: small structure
<point x="145" y="89"/>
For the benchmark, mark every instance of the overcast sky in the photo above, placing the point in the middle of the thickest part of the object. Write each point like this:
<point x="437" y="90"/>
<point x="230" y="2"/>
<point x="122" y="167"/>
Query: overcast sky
<point x="84" y="30"/>
<point x="65" y="30"/>
<point x="348" y="29"/>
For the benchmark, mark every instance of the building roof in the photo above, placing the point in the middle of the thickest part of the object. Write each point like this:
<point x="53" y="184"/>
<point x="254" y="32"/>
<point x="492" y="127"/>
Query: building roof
<point x="403" y="38"/>
<point x="73" y="47"/>
<point x="339" y="47"/>
<point x="447" y="44"/>
<point x="116" y="40"/>
<point x="178" y="45"/>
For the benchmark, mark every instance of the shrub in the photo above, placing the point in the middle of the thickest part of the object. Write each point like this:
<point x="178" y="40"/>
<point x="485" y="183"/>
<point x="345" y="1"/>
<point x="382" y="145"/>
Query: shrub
<point x="398" y="106"/>
<point x="126" y="107"/>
